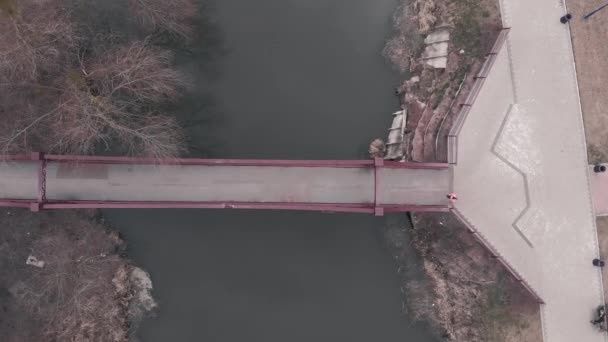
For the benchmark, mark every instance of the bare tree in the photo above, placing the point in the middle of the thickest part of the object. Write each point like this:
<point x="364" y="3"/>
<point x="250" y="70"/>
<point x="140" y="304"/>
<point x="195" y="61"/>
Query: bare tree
<point x="408" y="41"/>
<point x="173" y="17"/>
<point x="108" y="100"/>
<point x="86" y="121"/>
<point x="56" y="95"/>
<point x="156" y="135"/>
<point x="81" y="293"/>
<point x="35" y="37"/>
<point x="138" y="71"/>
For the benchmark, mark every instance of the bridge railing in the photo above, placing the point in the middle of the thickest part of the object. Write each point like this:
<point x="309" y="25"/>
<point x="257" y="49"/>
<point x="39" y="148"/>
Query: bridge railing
<point x="227" y="162"/>
<point x="465" y="107"/>
<point x="42" y="203"/>
<point x="323" y="207"/>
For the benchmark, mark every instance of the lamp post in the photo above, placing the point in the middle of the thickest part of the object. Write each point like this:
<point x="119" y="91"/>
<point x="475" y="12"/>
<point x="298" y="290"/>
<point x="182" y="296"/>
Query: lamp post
<point x="595" y="11"/>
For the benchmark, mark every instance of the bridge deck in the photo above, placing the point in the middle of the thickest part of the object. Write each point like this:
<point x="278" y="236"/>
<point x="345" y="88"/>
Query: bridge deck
<point x="135" y="182"/>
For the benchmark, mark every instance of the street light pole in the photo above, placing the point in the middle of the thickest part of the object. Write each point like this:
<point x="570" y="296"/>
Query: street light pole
<point x="595" y="11"/>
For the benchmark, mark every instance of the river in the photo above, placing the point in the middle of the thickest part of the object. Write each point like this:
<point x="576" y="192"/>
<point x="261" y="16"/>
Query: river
<point x="299" y="79"/>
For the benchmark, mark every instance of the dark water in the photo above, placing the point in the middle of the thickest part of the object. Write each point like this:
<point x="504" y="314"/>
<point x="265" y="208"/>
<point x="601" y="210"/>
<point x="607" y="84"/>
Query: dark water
<point x="278" y="79"/>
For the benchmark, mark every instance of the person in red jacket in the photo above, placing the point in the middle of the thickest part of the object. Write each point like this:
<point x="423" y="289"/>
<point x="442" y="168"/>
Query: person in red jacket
<point x="452" y="197"/>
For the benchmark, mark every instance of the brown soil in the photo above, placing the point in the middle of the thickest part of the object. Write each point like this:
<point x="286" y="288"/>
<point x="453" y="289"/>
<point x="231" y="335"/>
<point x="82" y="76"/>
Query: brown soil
<point x="473" y="297"/>
<point x="591" y="53"/>
<point x="83" y="291"/>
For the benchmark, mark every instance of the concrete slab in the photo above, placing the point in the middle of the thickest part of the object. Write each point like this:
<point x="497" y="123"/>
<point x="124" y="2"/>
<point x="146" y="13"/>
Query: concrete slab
<point x="492" y="191"/>
<point x="440" y="35"/>
<point x="209" y="183"/>
<point x="19" y="180"/>
<point x="436" y="50"/>
<point x="419" y="186"/>
<point x="395" y="136"/>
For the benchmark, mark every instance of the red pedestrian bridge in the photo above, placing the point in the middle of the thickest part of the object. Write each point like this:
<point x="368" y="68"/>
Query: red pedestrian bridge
<point x="46" y="181"/>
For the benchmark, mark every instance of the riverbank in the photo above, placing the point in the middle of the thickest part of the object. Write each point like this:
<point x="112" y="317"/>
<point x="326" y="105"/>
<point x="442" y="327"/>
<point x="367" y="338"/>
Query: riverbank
<point x="63" y="278"/>
<point x="438" y="46"/>
<point x="465" y="295"/>
<point x="470" y="296"/>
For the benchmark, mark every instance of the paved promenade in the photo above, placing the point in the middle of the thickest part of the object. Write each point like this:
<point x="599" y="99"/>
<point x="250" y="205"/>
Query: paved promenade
<point x="522" y="172"/>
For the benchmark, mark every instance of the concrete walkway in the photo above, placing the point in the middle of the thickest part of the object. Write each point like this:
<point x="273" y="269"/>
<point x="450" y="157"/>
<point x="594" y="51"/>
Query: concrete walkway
<point x="522" y="172"/>
<point x="97" y="181"/>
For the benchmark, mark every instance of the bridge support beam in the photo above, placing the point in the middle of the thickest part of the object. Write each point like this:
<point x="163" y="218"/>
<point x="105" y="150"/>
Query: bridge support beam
<point x="40" y="158"/>
<point x="378" y="163"/>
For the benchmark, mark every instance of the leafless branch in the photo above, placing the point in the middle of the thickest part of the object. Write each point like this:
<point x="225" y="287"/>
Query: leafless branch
<point x="34" y="37"/>
<point x="173" y="17"/>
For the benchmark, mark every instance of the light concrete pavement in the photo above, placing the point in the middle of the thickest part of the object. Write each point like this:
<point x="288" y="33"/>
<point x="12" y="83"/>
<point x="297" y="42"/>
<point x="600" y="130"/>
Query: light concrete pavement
<point x="203" y="183"/>
<point x="414" y="186"/>
<point x="522" y="172"/>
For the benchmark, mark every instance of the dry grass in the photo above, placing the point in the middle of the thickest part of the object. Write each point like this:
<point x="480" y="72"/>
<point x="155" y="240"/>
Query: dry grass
<point x="406" y="45"/>
<point x="591" y="52"/>
<point x="463" y="293"/>
<point x="476" y="25"/>
<point x="424" y="14"/>
<point x="475" y="298"/>
<point x="377" y="149"/>
<point x="79" y="295"/>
